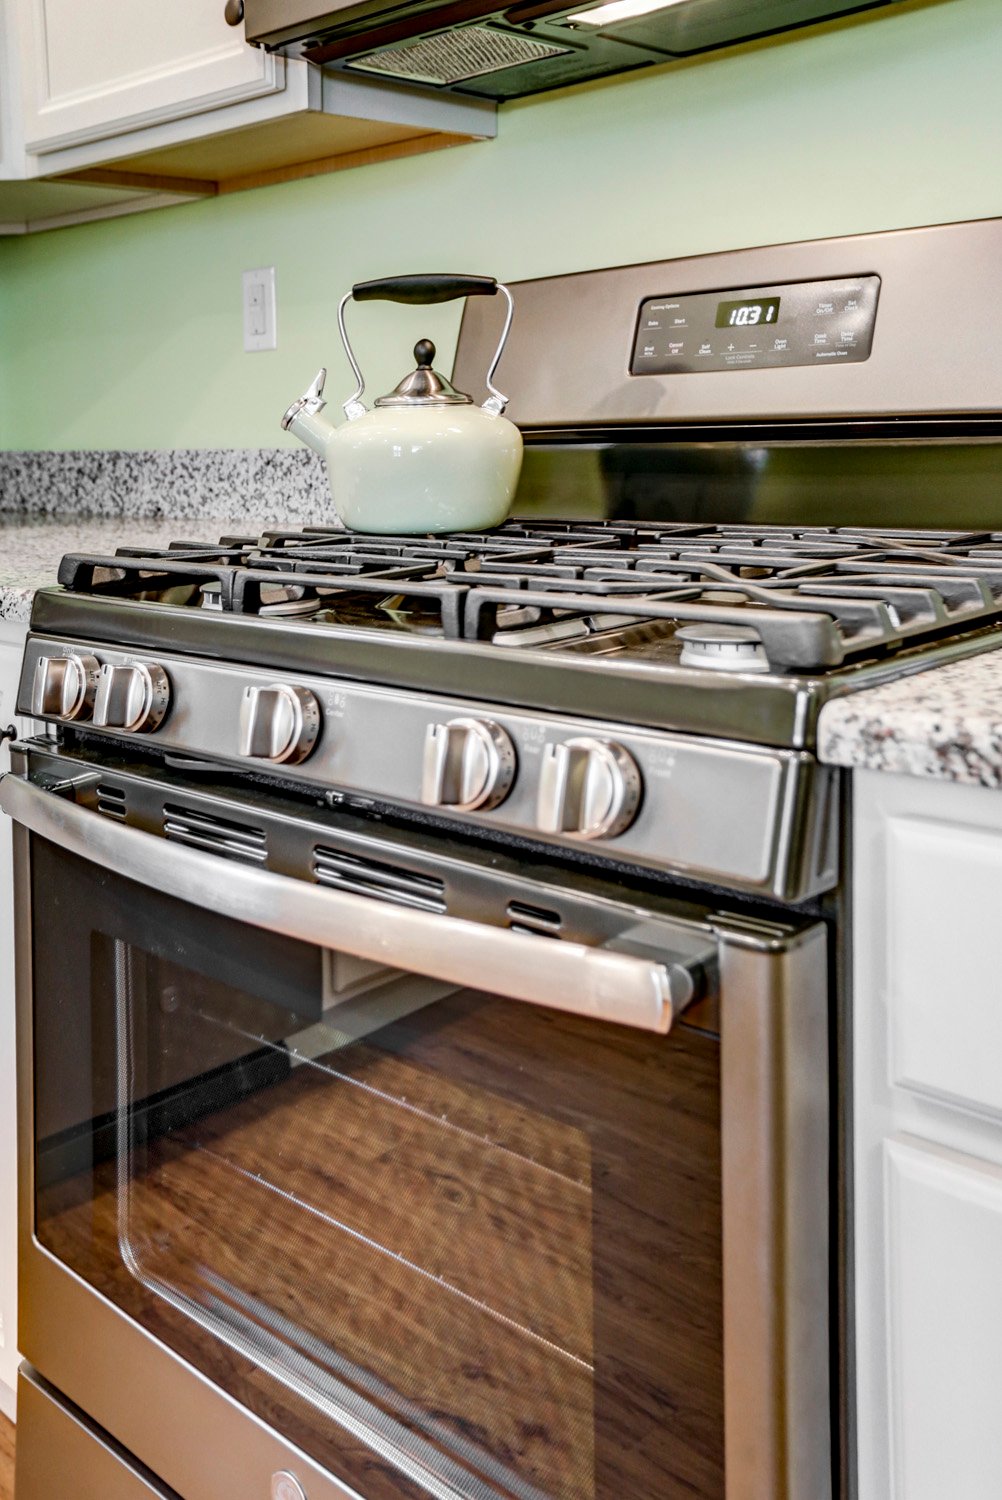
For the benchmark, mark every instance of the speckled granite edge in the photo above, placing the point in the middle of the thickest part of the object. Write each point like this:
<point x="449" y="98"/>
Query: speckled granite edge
<point x="266" y="486"/>
<point x="15" y="604"/>
<point x="31" y="547"/>
<point x="945" y="723"/>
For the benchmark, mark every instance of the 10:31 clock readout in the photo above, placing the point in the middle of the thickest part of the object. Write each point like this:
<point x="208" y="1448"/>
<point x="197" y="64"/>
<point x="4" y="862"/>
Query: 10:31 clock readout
<point x="747" y="314"/>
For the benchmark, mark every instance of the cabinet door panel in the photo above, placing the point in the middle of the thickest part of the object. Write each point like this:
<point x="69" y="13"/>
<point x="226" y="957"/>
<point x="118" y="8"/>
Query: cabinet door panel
<point x="943" y="1254"/>
<point x="99" y="69"/>
<point x="944" y="956"/>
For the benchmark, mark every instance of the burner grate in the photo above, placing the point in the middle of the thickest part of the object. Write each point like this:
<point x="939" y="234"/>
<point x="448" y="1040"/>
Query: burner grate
<point x="811" y="597"/>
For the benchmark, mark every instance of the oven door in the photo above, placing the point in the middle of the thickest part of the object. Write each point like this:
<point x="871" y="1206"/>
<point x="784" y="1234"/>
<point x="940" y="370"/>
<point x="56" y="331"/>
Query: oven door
<point x="339" y="1186"/>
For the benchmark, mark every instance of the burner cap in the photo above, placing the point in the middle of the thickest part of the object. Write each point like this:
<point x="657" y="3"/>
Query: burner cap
<point x="722" y="648"/>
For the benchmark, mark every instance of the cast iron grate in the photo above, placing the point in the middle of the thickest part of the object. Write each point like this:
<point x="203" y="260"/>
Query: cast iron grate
<point x="810" y="598"/>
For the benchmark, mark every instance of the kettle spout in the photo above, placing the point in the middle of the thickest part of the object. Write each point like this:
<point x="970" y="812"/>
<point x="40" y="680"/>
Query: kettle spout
<point x="303" y="417"/>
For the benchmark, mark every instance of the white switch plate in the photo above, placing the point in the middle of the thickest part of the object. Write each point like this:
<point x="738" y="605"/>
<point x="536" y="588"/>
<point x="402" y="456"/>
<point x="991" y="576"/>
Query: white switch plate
<point x="260" y="331"/>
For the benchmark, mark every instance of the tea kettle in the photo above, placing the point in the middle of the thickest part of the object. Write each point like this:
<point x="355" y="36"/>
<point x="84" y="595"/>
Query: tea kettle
<point x="425" y="459"/>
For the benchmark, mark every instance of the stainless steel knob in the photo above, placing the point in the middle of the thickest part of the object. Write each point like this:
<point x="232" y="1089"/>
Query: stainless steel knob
<point x="134" y="697"/>
<point x="279" y="723"/>
<point x="588" y="788"/>
<point x="285" y="1486"/>
<point x="64" y="686"/>
<point x="468" y="763"/>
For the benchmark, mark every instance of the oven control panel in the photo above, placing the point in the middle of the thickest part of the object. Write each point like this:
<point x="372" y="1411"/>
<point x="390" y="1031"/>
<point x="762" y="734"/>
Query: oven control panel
<point x="747" y="328"/>
<point x="706" y="809"/>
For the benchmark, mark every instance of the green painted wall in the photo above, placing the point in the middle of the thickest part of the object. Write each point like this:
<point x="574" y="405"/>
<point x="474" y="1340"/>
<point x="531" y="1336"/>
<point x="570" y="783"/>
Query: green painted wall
<point x="127" y="334"/>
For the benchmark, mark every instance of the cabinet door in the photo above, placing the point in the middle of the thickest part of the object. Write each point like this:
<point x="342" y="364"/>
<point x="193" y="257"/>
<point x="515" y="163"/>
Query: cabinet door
<point x="944" y="1250"/>
<point x="100" y="69"/>
<point x="927" y="1125"/>
<point x="11" y="155"/>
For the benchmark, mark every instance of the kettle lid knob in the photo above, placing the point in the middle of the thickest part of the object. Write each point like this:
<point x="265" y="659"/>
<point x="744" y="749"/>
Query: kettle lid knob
<point x="424" y="386"/>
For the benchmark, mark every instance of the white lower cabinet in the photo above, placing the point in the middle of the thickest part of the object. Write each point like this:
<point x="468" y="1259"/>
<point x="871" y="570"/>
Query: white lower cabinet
<point x="944" y="1290"/>
<point x="11" y="645"/>
<point x="927" y="1112"/>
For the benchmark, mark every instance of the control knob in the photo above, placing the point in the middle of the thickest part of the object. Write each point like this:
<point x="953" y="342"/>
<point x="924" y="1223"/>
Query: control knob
<point x="64" y="686"/>
<point x="278" y="723"/>
<point x="133" y="697"/>
<point x="588" y="788"/>
<point x="468" y="763"/>
<point x="285" y="1486"/>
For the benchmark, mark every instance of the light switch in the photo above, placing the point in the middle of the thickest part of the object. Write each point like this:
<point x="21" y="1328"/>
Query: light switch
<point x="260" y="328"/>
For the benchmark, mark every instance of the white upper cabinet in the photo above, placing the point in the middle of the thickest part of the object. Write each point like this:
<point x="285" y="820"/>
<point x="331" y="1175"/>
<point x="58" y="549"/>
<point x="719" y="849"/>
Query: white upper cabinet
<point x="112" y="105"/>
<point x="11" y="149"/>
<point x="99" y="69"/>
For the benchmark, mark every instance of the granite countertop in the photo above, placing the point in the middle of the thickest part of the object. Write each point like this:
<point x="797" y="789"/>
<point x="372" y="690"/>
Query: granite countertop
<point x="945" y="723"/>
<point x="53" y="503"/>
<point x="31" y="548"/>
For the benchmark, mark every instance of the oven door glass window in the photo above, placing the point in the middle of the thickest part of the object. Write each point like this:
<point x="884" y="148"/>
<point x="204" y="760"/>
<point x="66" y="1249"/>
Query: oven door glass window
<point x="446" y="1243"/>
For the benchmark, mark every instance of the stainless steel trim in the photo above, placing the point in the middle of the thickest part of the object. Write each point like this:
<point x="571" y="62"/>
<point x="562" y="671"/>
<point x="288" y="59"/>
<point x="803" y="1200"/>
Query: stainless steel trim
<point x="594" y="982"/>
<point x="774" y="1123"/>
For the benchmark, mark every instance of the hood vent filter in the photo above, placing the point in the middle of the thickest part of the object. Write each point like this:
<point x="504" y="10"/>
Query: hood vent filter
<point x="454" y="56"/>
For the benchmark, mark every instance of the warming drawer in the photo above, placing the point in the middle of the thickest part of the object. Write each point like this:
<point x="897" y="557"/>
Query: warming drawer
<point x="55" y="1440"/>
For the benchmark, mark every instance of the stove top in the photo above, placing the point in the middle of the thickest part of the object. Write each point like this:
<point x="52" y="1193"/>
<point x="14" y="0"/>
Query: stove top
<point x="732" y="598"/>
<point x="647" y="691"/>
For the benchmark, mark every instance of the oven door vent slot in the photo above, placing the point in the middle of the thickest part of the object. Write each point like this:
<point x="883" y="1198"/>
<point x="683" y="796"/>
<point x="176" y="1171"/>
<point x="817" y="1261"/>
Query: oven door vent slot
<point x="370" y="877"/>
<point x="523" y="917"/>
<point x="216" y="835"/>
<point x="111" y="801"/>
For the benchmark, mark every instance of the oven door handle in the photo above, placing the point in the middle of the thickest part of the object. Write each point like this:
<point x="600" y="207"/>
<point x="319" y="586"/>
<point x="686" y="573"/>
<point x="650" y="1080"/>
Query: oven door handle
<point x="602" y="983"/>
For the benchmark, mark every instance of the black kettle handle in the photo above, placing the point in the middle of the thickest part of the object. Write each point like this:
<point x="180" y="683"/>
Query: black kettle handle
<point x="423" y="288"/>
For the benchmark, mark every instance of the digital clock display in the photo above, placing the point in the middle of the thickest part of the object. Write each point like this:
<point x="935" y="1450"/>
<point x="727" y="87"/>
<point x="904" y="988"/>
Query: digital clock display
<point x="747" y="314"/>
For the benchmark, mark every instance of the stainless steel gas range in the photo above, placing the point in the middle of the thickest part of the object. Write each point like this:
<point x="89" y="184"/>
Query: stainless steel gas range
<point x="430" y="949"/>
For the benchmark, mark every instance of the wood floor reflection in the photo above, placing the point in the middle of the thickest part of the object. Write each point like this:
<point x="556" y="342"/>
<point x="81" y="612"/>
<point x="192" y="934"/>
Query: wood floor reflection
<point x="493" y="1229"/>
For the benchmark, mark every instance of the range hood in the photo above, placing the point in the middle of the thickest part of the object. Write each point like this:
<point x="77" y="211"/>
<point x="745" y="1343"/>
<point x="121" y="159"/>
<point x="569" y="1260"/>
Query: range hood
<point x="473" y="47"/>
